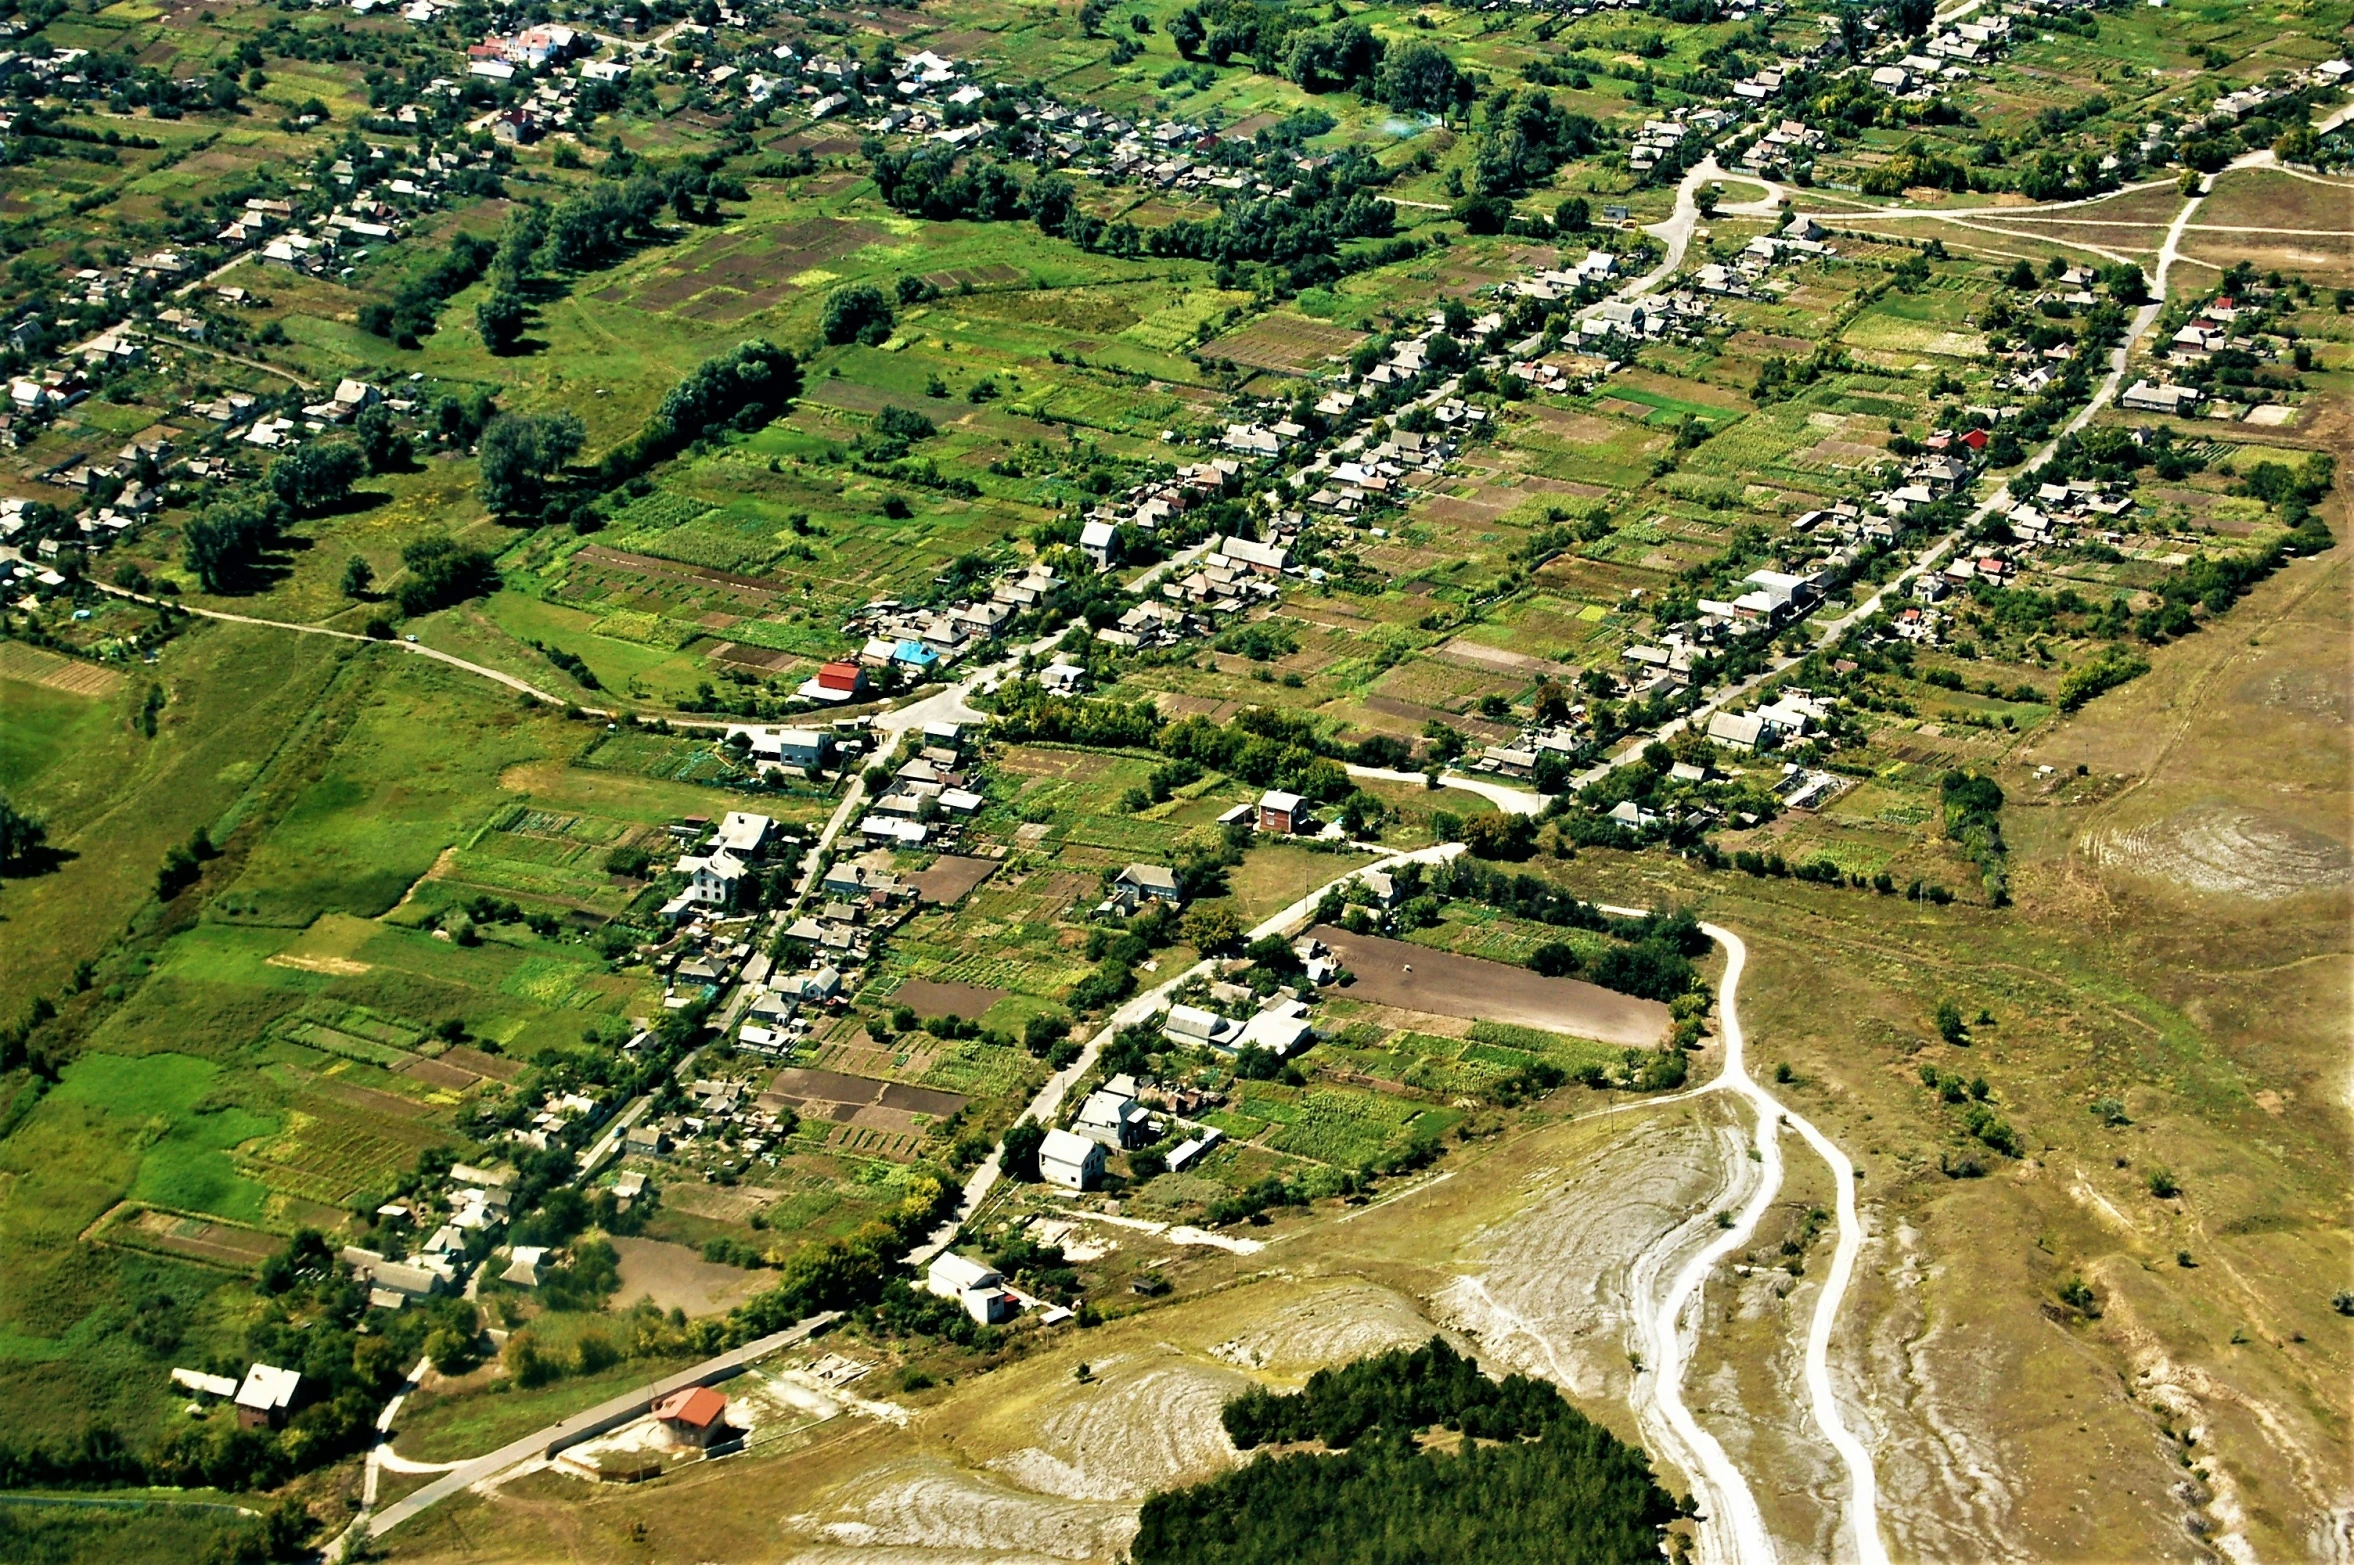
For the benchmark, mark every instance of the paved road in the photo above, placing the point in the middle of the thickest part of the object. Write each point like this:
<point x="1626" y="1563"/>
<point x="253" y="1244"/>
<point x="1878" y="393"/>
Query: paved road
<point x="570" y="1431"/>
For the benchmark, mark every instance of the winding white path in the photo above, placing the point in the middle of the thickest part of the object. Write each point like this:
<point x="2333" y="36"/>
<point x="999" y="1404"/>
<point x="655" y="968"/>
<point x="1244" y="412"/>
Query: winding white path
<point x="1734" y="1530"/>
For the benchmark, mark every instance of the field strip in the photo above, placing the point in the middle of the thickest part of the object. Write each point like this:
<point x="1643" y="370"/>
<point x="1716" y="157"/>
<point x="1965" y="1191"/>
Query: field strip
<point x="38" y="666"/>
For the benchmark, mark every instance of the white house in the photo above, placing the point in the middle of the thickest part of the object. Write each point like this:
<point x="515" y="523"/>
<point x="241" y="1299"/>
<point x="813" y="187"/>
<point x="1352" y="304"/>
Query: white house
<point x="1279" y="1032"/>
<point x="952" y="1276"/>
<point x="1739" y="730"/>
<point x="743" y="834"/>
<point x="1113" y="1119"/>
<point x="1073" y="1162"/>
<point x="1192" y="1024"/>
<point x="1099" y="541"/>
<point x="712" y="879"/>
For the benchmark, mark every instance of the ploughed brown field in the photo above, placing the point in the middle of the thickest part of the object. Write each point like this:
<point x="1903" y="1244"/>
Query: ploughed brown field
<point x="948" y="881"/>
<point x="831" y="1095"/>
<point x="1416" y="978"/>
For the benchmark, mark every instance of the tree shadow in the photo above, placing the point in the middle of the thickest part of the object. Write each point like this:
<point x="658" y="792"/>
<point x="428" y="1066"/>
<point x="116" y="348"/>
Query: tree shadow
<point x="47" y="859"/>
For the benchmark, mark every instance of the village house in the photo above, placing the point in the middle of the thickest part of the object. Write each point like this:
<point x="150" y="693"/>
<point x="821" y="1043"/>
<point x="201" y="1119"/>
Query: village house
<point x="1282" y="813"/>
<point x="695" y="1418"/>
<point x="1114" y="1118"/>
<point x="1141" y="883"/>
<point x="970" y="1283"/>
<point x="1073" y="1162"/>
<point x="266" y="1397"/>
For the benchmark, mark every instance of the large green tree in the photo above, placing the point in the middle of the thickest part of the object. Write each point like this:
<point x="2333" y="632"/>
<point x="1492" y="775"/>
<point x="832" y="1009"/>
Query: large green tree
<point x="317" y="477"/>
<point x="520" y="452"/>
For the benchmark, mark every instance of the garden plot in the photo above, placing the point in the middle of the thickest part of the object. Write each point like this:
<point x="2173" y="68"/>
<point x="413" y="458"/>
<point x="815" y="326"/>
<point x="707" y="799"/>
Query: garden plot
<point x="35" y="666"/>
<point x="1286" y="344"/>
<point x="1415" y="978"/>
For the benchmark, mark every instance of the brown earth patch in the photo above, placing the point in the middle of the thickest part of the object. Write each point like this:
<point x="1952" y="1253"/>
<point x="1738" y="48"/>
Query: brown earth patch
<point x="1172" y="704"/>
<point x="1570" y="427"/>
<point x="441" y="1073"/>
<point x="1416" y="978"/>
<point x="751" y="657"/>
<point x="1475" y="655"/>
<point x="995" y="275"/>
<point x="467" y="1057"/>
<point x="645" y="565"/>
<point x="1415" y="712"/>
<point x="37" y="666"/>
<point x="930" y="997"/>
<point x="191" y="1238"/>
<point x="950" y="879"/>
<point x="675" y="1277"/>
<point x="823" y="1094"/>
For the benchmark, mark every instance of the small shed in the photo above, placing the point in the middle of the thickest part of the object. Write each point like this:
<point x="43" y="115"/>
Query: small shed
<point x="695" y="1417"/>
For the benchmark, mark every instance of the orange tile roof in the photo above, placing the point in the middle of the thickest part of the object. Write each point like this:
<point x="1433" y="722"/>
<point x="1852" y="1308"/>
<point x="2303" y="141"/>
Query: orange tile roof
<point x="698" y="1407"/>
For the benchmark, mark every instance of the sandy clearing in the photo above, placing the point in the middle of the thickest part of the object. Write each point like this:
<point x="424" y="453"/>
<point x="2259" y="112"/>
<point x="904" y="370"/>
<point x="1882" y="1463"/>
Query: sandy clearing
<point x="332" y="966"/>
<point x="2225" y="849"/>
<point x="926" y="1510"/>
<point x="1943" y="1472"/>
<point x="1340" y="1324"/>
<point x="1548" y="1291"/>
<point x="675" y="1277"/>
<point x="1137" y="1428"/>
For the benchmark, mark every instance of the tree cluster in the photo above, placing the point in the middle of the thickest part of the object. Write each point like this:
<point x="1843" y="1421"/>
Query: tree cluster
<point x="1535" y="1480"/>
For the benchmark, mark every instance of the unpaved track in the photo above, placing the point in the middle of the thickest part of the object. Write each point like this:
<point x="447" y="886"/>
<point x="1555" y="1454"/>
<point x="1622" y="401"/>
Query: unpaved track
<point x="1734" y="1531"/>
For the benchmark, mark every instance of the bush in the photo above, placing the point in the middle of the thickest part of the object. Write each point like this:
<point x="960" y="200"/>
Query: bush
<point x="857" y="312"/>
<point x="440" y="573"/>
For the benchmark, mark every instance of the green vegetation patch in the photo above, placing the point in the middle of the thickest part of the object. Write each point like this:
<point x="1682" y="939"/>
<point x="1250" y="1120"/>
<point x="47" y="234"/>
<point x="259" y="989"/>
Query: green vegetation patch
<point x="1534" y="1479"/>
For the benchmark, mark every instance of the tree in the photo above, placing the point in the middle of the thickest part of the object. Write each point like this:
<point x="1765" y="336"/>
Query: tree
<point x="222" y="541"/>
<point x="21" y="835"/>
<point x="382" y="445"/>
<point x="857" y="312"/>
<point x="1853" y="39"/>
<point x="442" y="572"/>
<point x="317" y="477"/>
<point x="1572" y="216"/>
<point x="500" y="320"/>
<point x="1186" y="32"/>
<point x="1419" y="77"/>
<point x="1022" y="1142"/>
<point x="1210" y="929"/>
<point x="519" y="453"/>
<point x="358" y="577"/>
<point x="1914" y="16"/>
<point x="1949" y="1023"/>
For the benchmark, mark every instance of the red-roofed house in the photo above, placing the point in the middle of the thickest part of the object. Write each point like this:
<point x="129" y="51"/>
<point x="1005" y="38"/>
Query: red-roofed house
<point x="848" y="678"/>
<point x="1975" y="439"/>
<point x="696" y="1416"/>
